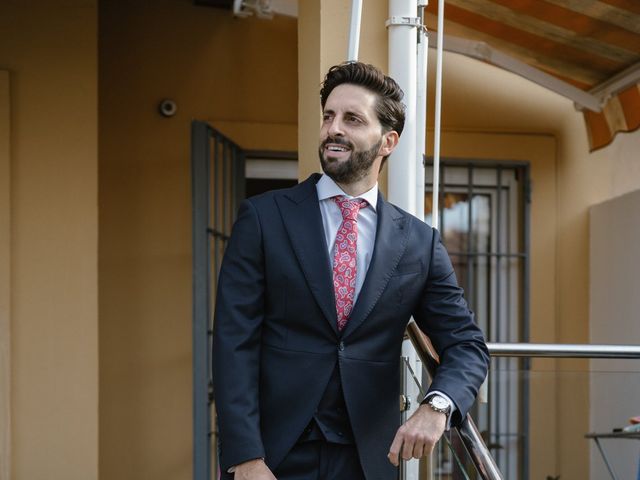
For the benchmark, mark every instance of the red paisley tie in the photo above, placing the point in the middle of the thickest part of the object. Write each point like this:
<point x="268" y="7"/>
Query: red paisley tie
<point x="344" y="257"/>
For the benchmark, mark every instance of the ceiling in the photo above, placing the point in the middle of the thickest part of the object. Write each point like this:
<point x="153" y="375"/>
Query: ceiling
<point x="586" y="50"/>
<point x="583" y="42"/>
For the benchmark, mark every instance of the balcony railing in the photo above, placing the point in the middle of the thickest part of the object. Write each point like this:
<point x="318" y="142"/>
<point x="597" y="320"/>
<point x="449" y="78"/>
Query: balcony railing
<point x="485" y="465"/>
<point x="563" y="350"/>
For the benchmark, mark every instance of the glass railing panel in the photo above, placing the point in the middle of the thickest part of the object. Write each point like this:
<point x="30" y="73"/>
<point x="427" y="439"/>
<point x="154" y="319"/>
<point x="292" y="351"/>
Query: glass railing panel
<point x="544" y="418"/>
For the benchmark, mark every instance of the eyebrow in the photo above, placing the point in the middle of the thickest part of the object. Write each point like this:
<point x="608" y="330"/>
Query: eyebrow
<point x="361" y="115"/>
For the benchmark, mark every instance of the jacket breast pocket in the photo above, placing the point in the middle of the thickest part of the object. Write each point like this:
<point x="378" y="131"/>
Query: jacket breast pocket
<point x="405" y="283"/>
<point x="408" y="268"/>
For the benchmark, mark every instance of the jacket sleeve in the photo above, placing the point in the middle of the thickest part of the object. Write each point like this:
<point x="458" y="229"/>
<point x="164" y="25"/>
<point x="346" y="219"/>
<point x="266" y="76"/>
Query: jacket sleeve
<point x="444" y="317"/>
<point x="236" y="341"/>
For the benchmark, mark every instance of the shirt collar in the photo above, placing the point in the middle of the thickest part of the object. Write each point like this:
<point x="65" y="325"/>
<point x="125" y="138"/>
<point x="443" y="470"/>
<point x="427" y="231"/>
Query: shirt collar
<point x="327" y="188"/>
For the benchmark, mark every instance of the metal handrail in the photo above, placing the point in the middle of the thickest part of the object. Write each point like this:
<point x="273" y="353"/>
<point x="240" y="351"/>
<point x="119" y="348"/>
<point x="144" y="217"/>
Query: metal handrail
<point x="563" y="350"/>
<point x="471" y="438"/>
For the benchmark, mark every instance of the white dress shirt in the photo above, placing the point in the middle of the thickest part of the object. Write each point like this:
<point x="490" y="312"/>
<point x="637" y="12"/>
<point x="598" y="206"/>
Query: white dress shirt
<point x="367" y="225"/>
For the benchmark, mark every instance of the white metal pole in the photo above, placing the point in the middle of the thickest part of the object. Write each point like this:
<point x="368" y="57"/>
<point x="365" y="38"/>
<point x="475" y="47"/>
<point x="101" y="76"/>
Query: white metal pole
<point x="438" y="110"/>
<point x="402" y="67"/>
<point x="421" y="135"/>
<point x="421" y="111"/>
<point x="354" y="30"/>
<point x="402" y="163"/>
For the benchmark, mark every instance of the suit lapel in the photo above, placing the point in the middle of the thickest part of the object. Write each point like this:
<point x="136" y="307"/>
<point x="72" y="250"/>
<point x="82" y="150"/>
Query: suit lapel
<point x="391" y="241"/>
<point x="301" y="216"/>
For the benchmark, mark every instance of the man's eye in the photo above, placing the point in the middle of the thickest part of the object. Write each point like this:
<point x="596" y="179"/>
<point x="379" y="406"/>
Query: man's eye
<point x="353" y="119"/>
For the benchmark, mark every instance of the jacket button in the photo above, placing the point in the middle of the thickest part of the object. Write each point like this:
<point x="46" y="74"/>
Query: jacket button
<point x="341" y="346"/>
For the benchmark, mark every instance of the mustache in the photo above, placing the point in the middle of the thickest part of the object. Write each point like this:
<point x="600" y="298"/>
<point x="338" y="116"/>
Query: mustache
<point x="337" y="141"/>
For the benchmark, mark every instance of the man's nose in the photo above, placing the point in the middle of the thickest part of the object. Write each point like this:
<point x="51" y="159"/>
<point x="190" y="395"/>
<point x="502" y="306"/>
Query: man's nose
<point x="335" y="127"/>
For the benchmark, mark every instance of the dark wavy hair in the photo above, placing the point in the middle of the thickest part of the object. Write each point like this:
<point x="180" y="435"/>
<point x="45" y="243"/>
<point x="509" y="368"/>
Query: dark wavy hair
<point x="389" y="106"/>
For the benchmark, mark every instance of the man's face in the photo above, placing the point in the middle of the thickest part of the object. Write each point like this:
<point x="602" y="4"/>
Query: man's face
<point x="351" y="137"/>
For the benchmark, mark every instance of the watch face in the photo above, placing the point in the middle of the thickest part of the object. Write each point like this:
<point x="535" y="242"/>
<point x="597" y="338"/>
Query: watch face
<point x="439" y="402"/>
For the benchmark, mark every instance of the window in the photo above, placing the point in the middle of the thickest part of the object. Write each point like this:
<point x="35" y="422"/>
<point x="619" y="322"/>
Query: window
<point x="484" y="218"/>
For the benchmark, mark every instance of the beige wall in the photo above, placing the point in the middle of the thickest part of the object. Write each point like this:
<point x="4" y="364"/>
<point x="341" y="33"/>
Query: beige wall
<point x="242" y="76"/>
<point x="614" y="265"/>
<point x="5" y="280"/>
<point x="49" y="49"/>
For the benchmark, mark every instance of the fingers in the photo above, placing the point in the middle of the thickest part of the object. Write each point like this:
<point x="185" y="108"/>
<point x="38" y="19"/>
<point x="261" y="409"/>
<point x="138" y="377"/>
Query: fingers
<point x="419" y="450"/>
<point x="394" y="450"/>
<point x="407" y="447"/>
<point x="417" y="437"/>
<point x="409" y="444"/>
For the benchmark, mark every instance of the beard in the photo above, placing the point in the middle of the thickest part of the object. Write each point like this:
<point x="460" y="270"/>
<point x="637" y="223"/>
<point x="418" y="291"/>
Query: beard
<point x="354" y="168"/>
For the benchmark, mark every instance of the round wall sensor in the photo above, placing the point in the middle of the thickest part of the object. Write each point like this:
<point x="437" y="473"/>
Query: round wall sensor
<point x="167" y="108"/>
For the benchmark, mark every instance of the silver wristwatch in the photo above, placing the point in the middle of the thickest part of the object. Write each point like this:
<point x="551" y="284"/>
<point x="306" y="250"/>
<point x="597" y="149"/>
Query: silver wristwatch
<point x="439" y="404"/>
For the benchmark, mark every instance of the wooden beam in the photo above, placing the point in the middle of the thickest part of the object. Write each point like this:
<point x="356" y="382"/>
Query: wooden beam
<point x="562" y="36"/>
<point x="484" y="52"/>
<point x="604" y="12"/>
<point x="587" y="76"/>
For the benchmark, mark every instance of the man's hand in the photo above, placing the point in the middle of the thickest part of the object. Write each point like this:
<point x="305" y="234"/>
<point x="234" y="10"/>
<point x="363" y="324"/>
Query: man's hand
<point x="418" y="435"/>
<point x="253" y="470"/>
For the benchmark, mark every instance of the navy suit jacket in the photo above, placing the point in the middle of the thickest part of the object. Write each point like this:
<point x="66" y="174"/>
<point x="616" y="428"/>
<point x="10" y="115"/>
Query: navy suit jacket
<point x="276" y="343"/>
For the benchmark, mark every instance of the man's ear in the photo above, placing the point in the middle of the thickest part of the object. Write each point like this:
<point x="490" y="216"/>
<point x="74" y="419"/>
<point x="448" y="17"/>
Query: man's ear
<point x="389" y="141"/>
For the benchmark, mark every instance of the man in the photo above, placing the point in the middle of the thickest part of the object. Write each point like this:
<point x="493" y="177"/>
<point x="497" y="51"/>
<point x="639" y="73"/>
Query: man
<point x="316" y="287"/>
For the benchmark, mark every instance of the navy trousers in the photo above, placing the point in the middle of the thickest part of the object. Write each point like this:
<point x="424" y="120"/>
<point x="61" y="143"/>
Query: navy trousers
<point x="318" y="460"/>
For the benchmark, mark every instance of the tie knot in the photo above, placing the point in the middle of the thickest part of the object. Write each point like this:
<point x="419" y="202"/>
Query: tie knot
<point x="349" y="207"/>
